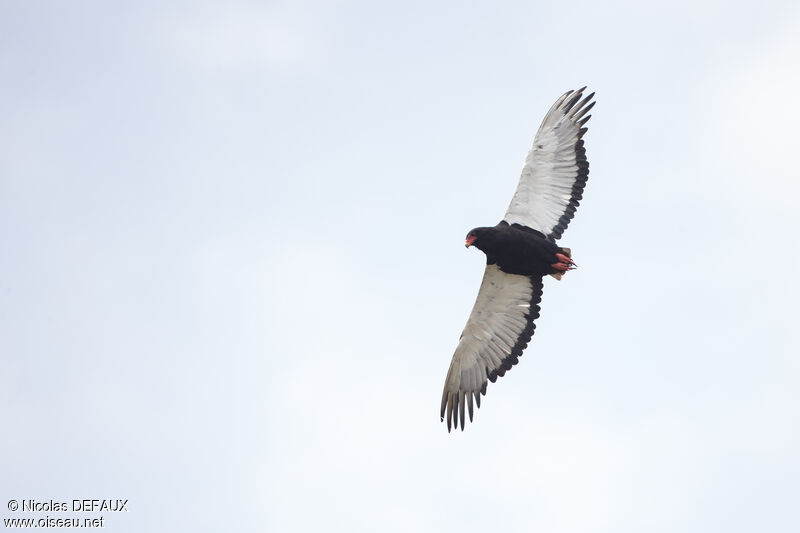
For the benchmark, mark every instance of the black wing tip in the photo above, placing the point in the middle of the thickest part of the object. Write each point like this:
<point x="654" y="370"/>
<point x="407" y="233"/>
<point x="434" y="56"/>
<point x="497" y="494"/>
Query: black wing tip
<point x="453" y="406"/>
<point x="567" y="106"/>
<point x="580" y="91"/>
<point x="575" y="91"/>
<point x="574" y="109"/>
<point x="458" y="405"/>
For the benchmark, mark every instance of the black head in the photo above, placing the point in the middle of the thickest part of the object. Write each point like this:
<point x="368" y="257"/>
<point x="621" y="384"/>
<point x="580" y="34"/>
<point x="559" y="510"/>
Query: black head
<point x="474" y="237"/>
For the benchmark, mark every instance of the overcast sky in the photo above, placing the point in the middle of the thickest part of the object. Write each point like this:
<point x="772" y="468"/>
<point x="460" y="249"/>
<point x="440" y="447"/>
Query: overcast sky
<point x="232" y="271"/>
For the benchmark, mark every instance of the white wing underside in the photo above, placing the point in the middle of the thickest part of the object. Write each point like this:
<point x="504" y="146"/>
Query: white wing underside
<point x="498" y="329"/>
<point x="555" y="170"/>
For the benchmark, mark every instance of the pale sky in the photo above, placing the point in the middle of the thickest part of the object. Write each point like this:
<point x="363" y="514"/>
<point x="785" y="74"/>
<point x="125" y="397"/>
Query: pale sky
<point x="232" y="273"/>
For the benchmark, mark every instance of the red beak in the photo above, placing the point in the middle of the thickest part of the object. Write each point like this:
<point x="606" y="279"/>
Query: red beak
<point x="470" y="240"/>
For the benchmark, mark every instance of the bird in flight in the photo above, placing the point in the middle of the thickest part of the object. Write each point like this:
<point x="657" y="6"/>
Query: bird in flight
<point x="520" y="251"/>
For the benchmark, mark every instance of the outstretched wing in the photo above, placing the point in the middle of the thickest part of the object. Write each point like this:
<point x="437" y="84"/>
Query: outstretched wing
<point x="556" y="169"/>
<point x="499" y="328"/>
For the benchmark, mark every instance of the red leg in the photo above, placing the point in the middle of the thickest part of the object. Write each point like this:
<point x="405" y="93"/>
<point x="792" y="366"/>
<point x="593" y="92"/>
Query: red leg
<point x="564" y="259"/>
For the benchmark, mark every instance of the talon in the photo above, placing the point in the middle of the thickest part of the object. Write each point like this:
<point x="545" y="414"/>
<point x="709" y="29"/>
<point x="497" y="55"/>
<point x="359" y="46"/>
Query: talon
<point x="561" y="267"/>
<point x="564" y="259"/>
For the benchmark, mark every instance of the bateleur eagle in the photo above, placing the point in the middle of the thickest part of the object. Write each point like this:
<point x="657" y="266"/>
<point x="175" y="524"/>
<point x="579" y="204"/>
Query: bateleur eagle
<point x="520" y="251"/>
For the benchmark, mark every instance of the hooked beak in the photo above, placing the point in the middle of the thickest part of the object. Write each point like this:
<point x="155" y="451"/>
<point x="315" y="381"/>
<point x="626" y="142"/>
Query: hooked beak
<point x="469" y="241"/>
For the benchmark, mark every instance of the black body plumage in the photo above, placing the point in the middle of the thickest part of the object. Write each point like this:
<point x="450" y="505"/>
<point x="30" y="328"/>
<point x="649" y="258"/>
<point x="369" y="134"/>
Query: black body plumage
<point x="517" y="249"/>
